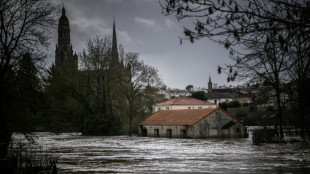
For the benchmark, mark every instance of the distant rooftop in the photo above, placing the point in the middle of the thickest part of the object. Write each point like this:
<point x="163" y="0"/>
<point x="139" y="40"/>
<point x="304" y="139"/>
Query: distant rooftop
<point x="184" y="101"/>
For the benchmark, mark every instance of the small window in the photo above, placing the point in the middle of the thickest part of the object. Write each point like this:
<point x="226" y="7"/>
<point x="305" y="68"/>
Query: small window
<point x="189" y="107"/>
<point x="159" y="109"/>
<point x="199" y="107"/>
<point x="169" y="133"/>
<point x="167" y="108"/>
<point x="156" y="132"/>
<point x="193" y="107"/>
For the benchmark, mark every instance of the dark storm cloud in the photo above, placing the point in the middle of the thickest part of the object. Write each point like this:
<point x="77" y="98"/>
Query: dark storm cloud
<point x="143" y="29"/>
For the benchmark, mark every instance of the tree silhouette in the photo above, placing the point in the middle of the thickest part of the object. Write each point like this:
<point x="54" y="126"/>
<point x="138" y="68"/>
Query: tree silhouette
<point x="136" y="88"/>
<point x="201" y="95"/>
<point x="189" y="88"/>
<point x="25" y="26"/>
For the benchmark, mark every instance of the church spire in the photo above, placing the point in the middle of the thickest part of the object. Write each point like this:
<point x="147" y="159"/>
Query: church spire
<point x="114" y="44"/>
<point x="209" y="78"/>
<point x="63" y="11"/>
<point x="209" y="85"/>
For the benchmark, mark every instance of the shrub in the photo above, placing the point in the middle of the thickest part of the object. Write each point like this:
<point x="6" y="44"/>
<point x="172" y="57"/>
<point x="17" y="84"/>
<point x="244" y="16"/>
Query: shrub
<point x="28" y="158"/>
<point x="265" y="136"/>
<point x="234" y="104"/>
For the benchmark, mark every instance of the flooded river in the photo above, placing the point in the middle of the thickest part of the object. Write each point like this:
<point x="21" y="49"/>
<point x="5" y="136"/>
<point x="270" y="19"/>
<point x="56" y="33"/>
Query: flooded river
<point x="123" y="154"/>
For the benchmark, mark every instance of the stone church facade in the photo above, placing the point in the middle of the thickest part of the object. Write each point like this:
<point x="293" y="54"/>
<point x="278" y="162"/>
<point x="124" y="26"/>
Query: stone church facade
<point x="66" y="60"/>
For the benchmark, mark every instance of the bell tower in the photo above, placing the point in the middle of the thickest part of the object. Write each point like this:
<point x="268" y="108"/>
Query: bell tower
<point x="65" y="60"/>
<point x="209" y="85"/>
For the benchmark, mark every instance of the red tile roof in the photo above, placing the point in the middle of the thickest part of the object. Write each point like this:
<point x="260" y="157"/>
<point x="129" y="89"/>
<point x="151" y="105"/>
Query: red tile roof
<point x="184" y="101"/>
<point x="182" y="117"/>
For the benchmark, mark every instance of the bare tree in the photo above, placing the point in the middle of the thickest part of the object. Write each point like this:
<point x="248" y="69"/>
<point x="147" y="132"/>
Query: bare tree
<point x="98" y="89"/>
<point x="265" y="63"/>
<point x="139" y="78"/>
<point x="261" y="36"/>
<point x="235" y="21"/>
<point x="95" y="61"/>
<point x="232" y="23"/>
<point x="25" y="26"/>
<point x="298" y="68"/>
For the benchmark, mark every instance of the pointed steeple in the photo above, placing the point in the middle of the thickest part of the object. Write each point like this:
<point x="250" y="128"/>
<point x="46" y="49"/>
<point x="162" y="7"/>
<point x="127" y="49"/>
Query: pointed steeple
<point x="63" y="11"/>
<point x="209" y="78"/>
<point x="63" y="29"/>
<point x="114" y="44"/>
<point x="209" y="85"/>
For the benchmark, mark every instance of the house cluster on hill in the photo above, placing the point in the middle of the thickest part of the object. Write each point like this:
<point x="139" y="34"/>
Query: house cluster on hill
<point x="183" y="117"/>
<point x="215" y="94"/>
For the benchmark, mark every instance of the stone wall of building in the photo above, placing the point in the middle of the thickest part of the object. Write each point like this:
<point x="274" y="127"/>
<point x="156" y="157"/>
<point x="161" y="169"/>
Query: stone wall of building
<point x="176" y="131"/>
<point x="212" y="127"/>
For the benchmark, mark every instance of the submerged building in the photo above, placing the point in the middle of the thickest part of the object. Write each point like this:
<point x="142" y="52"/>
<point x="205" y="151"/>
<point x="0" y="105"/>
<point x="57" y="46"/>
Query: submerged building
<point x="193" y="123"/>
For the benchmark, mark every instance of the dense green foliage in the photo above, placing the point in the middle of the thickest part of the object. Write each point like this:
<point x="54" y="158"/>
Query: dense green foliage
<point x="232" y="104"/>
<point x="201" y="95"/>
<point x="189" y="88"/>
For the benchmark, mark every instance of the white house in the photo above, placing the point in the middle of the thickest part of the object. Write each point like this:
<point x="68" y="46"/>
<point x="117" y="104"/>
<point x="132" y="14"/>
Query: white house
<point x="183" y="103"/>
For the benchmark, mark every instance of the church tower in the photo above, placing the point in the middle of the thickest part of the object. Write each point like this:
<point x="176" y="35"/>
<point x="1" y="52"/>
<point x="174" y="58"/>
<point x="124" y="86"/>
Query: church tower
<point x="65" y="60"/>
<point x="209" y="85"/>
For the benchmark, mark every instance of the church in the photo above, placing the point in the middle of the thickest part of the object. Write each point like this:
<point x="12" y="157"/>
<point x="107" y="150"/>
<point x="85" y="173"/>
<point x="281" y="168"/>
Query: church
<point x="65" y="59"/>
<point x="88" y="89"/>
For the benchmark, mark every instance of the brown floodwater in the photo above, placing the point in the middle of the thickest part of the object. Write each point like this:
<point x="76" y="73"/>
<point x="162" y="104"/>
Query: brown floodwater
<point x="124" y="154"/>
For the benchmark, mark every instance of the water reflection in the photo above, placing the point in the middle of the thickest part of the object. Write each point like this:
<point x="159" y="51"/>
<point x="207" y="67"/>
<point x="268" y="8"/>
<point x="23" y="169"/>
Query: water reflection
<point x="123" y="154"/>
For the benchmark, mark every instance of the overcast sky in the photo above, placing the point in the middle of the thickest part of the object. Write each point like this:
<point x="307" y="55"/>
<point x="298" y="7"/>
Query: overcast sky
<point x="142" y="28"/>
